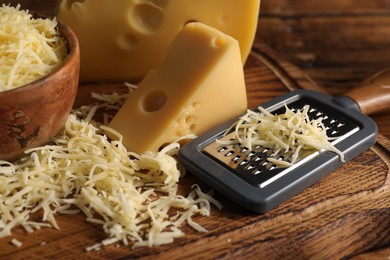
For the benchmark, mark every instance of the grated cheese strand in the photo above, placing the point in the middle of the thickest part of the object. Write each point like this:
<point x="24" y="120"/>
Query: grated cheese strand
<point x="133" y="197"/>
<point x="16" y="242"/>
<point x="290" y="135"/>
<point x="29" y="48"/>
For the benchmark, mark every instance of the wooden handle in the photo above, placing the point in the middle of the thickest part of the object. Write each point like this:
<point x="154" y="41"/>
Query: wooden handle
<point x="373" y="94"/>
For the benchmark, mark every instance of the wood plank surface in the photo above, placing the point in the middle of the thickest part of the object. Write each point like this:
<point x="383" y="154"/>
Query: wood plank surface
<point x="352" y="204"/>
<point x="335" y="45"/>
<point x="338" y="43"/>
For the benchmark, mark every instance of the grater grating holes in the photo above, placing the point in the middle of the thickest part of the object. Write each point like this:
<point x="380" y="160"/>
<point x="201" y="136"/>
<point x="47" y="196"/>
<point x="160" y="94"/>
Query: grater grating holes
<point x="335" y="127"/>
<point x="251" y="161"/>
<point x="253" y="166"/>
<point x="255" y="161"/>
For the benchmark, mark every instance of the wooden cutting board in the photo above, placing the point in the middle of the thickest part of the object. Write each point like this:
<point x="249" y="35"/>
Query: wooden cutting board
<point x="346" y="213"/>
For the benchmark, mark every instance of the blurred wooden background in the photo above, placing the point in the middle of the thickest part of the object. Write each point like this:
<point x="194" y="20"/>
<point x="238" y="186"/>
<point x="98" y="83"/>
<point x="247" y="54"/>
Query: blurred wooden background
<point x="338" y="43"/>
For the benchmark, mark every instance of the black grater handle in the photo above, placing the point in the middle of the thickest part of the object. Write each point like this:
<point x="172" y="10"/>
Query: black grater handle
<point x="371" y="96"/>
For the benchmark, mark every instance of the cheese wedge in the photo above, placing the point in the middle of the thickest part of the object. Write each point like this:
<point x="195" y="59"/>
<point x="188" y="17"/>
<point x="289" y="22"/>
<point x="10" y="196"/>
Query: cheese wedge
<point x="200" y="85"/>
<point x="123" y="40"/>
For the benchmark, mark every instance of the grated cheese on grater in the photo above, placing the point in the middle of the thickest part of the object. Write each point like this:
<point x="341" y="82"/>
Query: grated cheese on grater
<point x="290" y="135"/>
<point x="133" y="197"/>
<point x="29" y="48"/>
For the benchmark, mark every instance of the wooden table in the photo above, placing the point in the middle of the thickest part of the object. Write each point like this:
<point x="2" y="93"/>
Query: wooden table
<point x="336" y="43"/>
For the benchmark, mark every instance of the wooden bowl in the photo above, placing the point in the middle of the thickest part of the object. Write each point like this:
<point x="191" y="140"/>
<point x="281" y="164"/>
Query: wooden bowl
<point x="33" y="114"/>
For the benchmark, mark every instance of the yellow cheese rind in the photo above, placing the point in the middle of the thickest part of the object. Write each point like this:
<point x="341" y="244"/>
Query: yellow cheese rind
<point x="200" y="85"/>
<point x="125" y="40"/>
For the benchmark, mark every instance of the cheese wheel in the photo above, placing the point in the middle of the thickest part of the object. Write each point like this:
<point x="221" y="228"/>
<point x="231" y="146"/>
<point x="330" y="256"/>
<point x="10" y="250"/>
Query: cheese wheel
<point x="123" y="41"/>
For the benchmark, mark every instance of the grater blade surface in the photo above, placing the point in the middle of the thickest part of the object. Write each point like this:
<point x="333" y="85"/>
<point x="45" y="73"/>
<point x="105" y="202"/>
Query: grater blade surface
<point x="253" y="165"/>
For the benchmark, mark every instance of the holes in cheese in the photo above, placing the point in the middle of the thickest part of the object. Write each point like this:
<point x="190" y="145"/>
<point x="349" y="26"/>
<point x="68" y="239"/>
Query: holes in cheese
<point x="154" y="101"/>
<point x="203" y="73"/>
<point x="125" y="40"/>
<point x="73" y="3"/>
<point x="146" y="18"/>
<point x="219" y="41"/>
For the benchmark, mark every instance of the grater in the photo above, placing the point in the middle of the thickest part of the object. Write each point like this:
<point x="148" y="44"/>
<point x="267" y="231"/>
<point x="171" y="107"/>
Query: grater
<point x="248" y="179"/>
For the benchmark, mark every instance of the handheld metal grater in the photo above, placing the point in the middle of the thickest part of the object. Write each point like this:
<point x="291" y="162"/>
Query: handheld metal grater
<point x="247" y="178"/>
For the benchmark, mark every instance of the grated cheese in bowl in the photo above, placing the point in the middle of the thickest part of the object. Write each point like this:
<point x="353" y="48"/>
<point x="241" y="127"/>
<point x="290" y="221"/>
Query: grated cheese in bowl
<point x="29" y="48"/>
<point x="133" y="197"/>
<point x="291" y="134"/>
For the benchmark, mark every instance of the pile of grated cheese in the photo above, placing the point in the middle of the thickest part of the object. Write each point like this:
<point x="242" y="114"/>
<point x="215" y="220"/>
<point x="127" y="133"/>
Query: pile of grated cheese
<point x="29" y="48"/>
<point x="291" y="135"/>
<point x="133" y="197"/>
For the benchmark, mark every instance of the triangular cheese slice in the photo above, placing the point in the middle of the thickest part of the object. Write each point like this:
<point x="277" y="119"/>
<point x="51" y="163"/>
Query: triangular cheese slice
<point x="200" y="85"/>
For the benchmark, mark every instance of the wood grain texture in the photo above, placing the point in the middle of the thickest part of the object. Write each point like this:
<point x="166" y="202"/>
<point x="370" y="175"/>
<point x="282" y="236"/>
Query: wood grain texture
<point x="351" y="205"/>
<point x="336" y="44"/>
